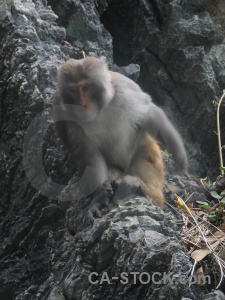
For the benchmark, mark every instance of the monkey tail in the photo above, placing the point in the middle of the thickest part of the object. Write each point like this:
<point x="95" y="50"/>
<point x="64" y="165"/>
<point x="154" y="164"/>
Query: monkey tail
<point x="147" y="166"/>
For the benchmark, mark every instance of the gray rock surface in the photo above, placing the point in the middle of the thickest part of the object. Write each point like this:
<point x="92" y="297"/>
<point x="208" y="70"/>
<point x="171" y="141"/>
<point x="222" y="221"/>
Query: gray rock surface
<point x="47" y="250"/>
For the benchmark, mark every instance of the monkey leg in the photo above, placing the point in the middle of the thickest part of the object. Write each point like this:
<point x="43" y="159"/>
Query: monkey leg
<point x="145" y="170"/>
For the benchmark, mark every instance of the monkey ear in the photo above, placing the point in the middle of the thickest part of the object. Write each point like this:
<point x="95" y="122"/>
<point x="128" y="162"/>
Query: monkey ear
<point x="103" y="60"/>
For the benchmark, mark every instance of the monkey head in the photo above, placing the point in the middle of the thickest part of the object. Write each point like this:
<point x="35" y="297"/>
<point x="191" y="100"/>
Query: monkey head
<point x="85" y="87"/>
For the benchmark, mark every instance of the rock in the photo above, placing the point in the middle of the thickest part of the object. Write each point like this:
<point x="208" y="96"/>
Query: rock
<point x="83" y="24"/>
<point x="47" y="250"/>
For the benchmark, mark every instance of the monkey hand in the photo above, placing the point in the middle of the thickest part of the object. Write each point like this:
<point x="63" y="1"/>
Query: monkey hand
<point x="181" y="163"/>
<point x="101" y="199"/>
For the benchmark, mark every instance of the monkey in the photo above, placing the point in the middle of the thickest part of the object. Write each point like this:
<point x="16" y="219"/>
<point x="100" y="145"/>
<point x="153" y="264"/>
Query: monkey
<point x="112" y="130"/>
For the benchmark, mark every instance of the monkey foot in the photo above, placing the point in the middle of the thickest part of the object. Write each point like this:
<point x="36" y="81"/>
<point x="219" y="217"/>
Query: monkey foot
<point x="127" y="185"/>
<point x="101" y="199"/>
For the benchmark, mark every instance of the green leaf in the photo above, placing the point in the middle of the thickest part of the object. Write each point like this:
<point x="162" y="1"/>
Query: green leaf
<point x="222" y="200"/>
<point x="214" y="194"/>
<point x="167" y="153"/>
<point x="222" y="193"/>
<point x="222" y="168"/>
<point x="209" y="215"/>
<point x="202" y="204"/>
<point x="203" y="213"/>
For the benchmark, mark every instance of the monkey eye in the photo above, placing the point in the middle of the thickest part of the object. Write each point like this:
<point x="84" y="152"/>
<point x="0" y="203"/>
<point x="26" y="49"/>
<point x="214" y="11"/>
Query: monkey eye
<point x="73" y="91"/>
<point x="85" y="88"/>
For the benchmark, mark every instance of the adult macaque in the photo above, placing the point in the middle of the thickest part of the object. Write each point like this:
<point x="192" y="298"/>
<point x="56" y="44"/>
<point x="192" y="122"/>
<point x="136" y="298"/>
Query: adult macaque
<point x="109" y="125"/>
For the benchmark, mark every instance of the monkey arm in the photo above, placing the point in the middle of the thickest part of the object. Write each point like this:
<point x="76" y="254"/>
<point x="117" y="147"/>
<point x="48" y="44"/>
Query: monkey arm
<point x="84" y="153"/>
<point x="159" y="126"/>
<point x="91" y="164"/>
<point x="94" y="172"/>
<point x="94" y="175"/>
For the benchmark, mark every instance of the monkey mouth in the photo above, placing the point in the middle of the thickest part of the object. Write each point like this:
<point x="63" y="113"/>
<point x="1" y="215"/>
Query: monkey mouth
<point x="85" y="110"/>
<point x="87" y="114"/>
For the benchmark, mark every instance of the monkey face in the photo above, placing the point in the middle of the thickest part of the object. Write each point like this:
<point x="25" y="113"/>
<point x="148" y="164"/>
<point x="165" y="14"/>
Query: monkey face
<point x="82" y="100"/>
<point x="86" y="84"/>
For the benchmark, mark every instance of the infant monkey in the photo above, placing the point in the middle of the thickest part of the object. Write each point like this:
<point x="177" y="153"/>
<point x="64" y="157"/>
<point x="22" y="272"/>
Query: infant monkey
<point x="110" y="129"/>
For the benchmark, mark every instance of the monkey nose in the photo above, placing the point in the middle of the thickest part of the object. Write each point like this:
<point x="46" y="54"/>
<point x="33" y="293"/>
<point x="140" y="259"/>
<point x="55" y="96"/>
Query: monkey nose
<point x="84" y="101"/>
